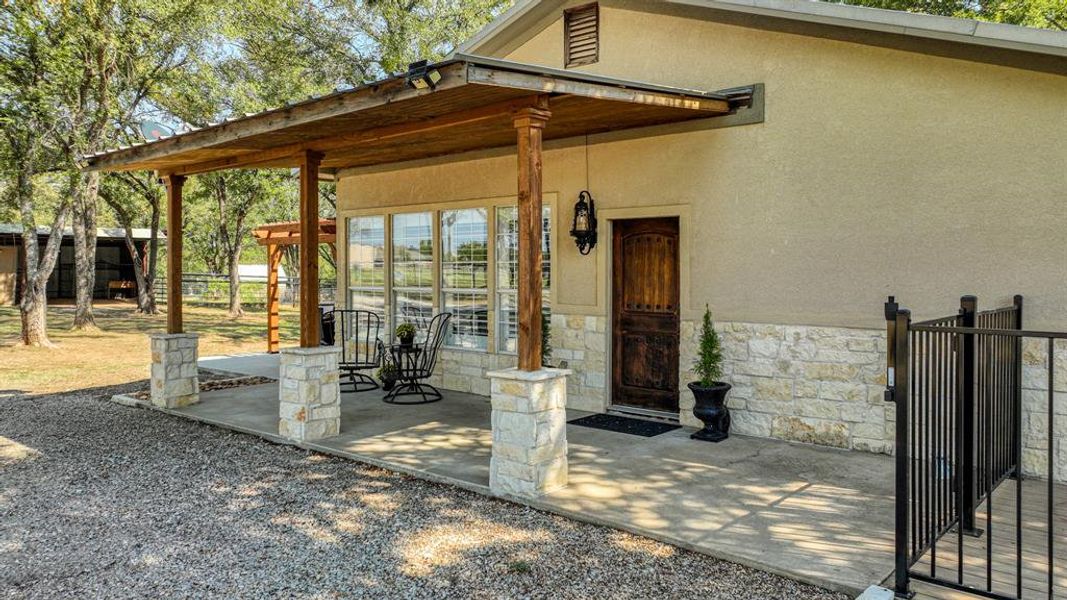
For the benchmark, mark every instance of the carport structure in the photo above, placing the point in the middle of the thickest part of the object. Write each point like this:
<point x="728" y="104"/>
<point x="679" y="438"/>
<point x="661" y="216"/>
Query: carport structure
<point x="463" y="104"/>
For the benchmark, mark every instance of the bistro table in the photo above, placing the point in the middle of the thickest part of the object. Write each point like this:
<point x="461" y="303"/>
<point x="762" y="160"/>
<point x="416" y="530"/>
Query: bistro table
<point x="409" y="370"/>
<point x="405" y="356"/>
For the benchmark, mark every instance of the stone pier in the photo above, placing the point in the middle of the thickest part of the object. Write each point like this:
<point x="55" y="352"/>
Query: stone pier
<point x="310" y="392"/>
<point x="529" y="422"/>
<point x="174" y="377"/>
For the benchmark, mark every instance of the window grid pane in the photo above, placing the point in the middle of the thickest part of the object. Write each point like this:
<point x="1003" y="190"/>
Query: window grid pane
<point x="366" y="263"/>
<point x="413" y="269"/>
<point x="465" y="276"/>
<point x="507" y="271"/>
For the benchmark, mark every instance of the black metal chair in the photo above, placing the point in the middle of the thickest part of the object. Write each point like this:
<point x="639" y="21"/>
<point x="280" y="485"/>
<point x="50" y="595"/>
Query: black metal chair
<point x="415" y="364"/>
<point x="361" y="348"/>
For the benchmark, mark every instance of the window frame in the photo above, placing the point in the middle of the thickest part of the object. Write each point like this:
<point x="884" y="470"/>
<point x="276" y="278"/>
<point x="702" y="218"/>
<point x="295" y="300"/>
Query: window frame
<point x="393" y="288"/>
<point x="549" y="200"/>
<point x="349" y="289"/>
<point x="500" y="291"/>
<point x="490" y="261"/>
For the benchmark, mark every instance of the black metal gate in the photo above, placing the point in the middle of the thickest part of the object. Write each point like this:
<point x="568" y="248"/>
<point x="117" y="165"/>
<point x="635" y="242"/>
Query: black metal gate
<point x="957" y="385"/>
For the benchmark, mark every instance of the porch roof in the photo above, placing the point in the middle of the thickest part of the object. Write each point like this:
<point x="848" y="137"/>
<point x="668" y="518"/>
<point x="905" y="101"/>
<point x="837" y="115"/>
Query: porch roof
<point x="471" y="108"/>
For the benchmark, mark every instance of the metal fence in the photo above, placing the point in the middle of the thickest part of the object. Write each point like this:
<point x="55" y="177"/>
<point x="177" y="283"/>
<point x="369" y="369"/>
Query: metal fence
<point x="957" y="385"/>
<point x="210" y="289"/>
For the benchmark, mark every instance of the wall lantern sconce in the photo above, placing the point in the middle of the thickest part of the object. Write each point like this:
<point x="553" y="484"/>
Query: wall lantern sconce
<point x="584" y="229"/>
<point x="421" y="77"/>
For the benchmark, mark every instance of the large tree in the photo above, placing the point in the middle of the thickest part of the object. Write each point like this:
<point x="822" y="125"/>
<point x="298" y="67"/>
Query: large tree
<point x="1044" y="14"/>
<point x="117" y="54"/>
<point x="28" y="50"/>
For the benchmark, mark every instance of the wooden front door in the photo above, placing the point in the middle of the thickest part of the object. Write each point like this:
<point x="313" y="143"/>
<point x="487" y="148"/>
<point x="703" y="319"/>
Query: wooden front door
<point x="645" y="314"/>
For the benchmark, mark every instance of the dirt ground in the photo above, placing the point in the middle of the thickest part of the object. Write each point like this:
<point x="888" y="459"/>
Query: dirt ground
<point x="118" y="352"/>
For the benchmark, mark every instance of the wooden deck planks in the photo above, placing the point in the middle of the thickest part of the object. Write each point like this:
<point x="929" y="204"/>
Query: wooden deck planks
<point x="1000" y="574"/>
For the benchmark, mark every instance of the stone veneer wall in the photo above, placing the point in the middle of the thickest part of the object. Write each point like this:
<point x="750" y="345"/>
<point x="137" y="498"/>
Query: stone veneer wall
<point x="1035" y="423"/>
<point x="819" y="385"/>
<point x="579" y="340"/>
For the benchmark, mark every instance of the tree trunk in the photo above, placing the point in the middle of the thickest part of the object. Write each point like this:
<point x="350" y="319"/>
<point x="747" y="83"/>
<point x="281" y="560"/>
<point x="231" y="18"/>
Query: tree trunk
<point x="235" y="283"/>
<point x="36" y="268"/>
<point x="148" y="305"/>
<point x="84" y="225"/>
<point x="138" y="274"/>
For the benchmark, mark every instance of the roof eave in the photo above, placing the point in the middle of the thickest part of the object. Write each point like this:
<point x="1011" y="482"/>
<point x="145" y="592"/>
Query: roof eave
<point x="523" y="15"/>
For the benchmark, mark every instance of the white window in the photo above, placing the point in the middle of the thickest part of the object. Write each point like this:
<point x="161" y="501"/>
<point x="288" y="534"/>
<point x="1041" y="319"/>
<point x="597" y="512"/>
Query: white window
<point x="507" y="274"/>
<point x="465" y="276"/>
<point x="366" y="264"/>
<point x="413" y="269"/>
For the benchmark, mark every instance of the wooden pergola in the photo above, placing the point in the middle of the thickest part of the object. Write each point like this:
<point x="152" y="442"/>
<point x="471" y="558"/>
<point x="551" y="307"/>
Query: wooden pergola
<point x="275" y="236"/>
<point x="476" y="103"/>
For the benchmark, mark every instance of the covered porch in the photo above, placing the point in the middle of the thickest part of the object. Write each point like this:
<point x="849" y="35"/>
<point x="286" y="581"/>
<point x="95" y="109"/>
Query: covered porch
<point x="819" y="515"/>
<point x="816" y="514"/>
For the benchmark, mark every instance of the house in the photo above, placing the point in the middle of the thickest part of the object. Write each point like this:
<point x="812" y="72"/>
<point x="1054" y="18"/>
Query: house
<point x="884" y="153"/>
<point x="787" y="164"/>
<point x="114" y="265"/>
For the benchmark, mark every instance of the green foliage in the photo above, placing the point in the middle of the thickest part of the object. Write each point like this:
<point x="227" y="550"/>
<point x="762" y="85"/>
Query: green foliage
<point x="708" y="364"/>
<point x="1042" y="14"/>
<point x="405" y="330"/>
<point x="387" y="371"/>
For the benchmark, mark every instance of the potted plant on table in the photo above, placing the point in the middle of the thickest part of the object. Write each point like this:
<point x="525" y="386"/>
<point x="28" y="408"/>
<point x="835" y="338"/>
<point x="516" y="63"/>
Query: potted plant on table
<point x="405" y="332"/>
<point x="710" y="393"/>
<point x="387" y="375"/>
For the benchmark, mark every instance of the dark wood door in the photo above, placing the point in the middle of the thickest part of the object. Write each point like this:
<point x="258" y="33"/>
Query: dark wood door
<point x="645" y="314"/>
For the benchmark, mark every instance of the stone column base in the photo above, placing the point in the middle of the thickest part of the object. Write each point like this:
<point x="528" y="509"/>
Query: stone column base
<point x="529" y="432"/>
<point x="310" y="393"/>
<point x="174" y="377"/>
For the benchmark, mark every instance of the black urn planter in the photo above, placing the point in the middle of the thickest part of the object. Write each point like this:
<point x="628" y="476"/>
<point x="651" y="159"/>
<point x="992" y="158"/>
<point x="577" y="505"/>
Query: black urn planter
<point x="711" y="409"/>
<point x="388" y="383"/>
<point x="407" y="341"/>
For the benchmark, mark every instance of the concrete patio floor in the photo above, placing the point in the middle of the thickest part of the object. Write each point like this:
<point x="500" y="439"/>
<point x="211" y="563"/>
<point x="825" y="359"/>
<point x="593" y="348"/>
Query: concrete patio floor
<point x="816" y="514"/>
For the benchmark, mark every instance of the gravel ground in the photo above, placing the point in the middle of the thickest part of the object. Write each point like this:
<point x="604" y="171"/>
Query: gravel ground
<point x="99" y="500"/>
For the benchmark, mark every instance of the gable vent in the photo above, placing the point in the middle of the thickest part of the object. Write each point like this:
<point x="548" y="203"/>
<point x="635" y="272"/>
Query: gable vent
<point x="581" y="35"/>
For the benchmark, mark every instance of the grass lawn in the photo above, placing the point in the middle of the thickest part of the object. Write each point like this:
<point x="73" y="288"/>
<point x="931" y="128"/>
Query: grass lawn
<point x="118" y="352"/>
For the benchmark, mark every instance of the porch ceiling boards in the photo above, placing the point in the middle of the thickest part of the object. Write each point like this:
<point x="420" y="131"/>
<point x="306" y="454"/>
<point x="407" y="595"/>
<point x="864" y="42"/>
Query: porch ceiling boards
<point x="472" y="108"/>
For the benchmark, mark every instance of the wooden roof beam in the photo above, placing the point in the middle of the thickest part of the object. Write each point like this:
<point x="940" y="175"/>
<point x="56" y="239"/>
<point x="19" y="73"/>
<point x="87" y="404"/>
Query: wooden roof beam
<point x="291" y="152"/>
<point x="291" y="240"/>
<point x="553" y="85"/>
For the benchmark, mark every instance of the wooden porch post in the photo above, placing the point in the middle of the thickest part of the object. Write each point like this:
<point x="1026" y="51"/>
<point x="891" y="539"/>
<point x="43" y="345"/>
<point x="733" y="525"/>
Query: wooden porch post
<point x="174" y="185"/>
<point x="529" y="123"/>
<point x="309" y="248"/>
<point x="274" y="258"/>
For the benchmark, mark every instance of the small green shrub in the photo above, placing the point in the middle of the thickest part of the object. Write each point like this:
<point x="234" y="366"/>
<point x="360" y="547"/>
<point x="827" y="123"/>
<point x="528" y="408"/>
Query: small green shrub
<point x="405" y="330"/>
<point x="708" y="364"/>
<point x="387" y="371"/>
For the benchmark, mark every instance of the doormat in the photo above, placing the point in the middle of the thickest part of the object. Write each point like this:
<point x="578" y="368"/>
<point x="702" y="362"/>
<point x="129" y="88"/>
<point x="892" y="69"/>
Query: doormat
<point x="619" y="424"/>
